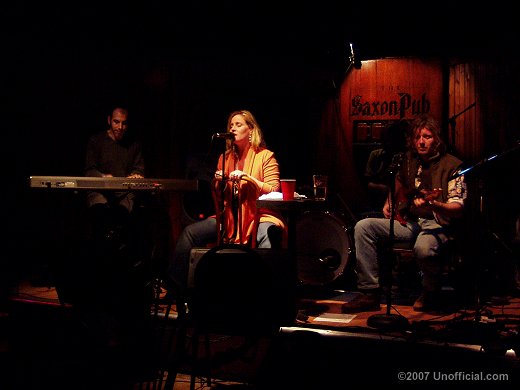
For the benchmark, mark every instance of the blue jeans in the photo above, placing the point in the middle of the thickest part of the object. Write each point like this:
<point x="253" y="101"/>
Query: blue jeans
<point x="370" y="233"/>
<point x="201" y="233"/>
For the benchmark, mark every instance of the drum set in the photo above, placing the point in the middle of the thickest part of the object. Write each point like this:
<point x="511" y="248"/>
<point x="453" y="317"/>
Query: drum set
<point x="324" y="248"/>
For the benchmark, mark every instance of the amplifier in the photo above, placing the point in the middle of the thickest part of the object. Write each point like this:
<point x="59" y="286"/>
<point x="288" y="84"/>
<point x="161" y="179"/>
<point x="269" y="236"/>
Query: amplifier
<point x="281" y="278"/>
<point x="282" y="264"/>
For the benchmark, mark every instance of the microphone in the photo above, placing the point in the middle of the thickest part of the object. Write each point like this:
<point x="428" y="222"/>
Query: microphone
<point x="397" y="160"/>
<point x="224" y="136"/>
<point x="329" y="262"/>
<point x="352" y="58"/>
<point x="353" y="61"/>
<point x="329" y="259"/>
<point x="398" y="157"/>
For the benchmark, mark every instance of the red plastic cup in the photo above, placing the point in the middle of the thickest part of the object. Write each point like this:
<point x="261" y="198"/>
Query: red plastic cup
<point x="288" y="188"/>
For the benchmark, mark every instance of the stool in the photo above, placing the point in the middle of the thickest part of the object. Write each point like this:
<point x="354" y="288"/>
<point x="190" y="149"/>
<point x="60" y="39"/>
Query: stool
<point x="407" y="275"/>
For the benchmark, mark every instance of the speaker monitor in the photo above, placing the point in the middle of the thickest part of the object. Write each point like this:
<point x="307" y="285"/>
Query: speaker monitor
<point x="277" y="266"/>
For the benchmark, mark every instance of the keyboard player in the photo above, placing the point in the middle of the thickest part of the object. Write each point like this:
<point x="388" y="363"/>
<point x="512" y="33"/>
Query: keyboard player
<point x="114" y="152"/>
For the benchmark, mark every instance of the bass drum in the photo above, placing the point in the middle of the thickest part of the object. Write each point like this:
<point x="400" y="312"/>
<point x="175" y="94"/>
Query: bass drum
<point x="323" y="247"/>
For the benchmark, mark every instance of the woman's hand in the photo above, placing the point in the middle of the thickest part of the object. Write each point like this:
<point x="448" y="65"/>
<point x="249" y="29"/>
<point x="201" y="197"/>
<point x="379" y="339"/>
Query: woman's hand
<point x="218" y="175"/>
<point x="237" y="175"/>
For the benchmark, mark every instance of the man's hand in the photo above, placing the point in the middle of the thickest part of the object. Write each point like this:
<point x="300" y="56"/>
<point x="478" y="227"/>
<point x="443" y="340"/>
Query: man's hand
<point x="387" y="212"/>
<point x="426" y="198"/>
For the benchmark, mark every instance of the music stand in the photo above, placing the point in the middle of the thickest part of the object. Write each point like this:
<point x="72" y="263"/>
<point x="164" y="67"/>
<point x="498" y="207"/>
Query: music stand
<point x="390" y="321"/>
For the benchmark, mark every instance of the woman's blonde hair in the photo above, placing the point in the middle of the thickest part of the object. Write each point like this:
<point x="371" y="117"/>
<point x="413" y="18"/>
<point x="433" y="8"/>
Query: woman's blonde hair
<point x="256" y="138"/>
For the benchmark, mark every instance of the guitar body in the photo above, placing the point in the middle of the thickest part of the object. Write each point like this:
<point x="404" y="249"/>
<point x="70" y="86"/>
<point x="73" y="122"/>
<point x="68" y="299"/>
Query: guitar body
<point x="405" y="199"/>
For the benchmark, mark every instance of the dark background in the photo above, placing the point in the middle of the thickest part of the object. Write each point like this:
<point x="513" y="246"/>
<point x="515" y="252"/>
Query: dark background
<point x="184" y="66"/>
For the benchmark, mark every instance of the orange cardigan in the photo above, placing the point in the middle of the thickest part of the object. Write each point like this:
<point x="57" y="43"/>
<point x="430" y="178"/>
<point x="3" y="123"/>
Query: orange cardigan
<point x="263" y="166"/>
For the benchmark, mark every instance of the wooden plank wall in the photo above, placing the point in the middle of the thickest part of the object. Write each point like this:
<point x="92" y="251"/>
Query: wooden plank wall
<point x="484" y="99"/>
<point x="375" y="87"/>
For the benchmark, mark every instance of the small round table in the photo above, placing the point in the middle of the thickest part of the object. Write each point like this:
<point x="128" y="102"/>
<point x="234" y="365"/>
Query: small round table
<point x="290" y="209"/>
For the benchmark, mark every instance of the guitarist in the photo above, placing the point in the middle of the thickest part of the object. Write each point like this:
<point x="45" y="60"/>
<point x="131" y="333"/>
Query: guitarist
<point x="434" y="200"/>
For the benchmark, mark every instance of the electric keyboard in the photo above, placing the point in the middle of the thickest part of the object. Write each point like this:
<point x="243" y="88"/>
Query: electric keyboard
<point x="112" y="183"/>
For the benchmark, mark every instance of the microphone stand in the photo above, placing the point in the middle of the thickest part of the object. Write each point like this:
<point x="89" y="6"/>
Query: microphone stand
<point x="389" y="321"/>
<point x="474" y="179"/>
<point x="223" y="184"/>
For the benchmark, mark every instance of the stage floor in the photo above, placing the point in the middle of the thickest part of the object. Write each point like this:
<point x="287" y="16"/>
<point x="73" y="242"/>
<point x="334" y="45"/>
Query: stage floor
<point x="323" y="340"/>
<point x="320" y="308"/>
